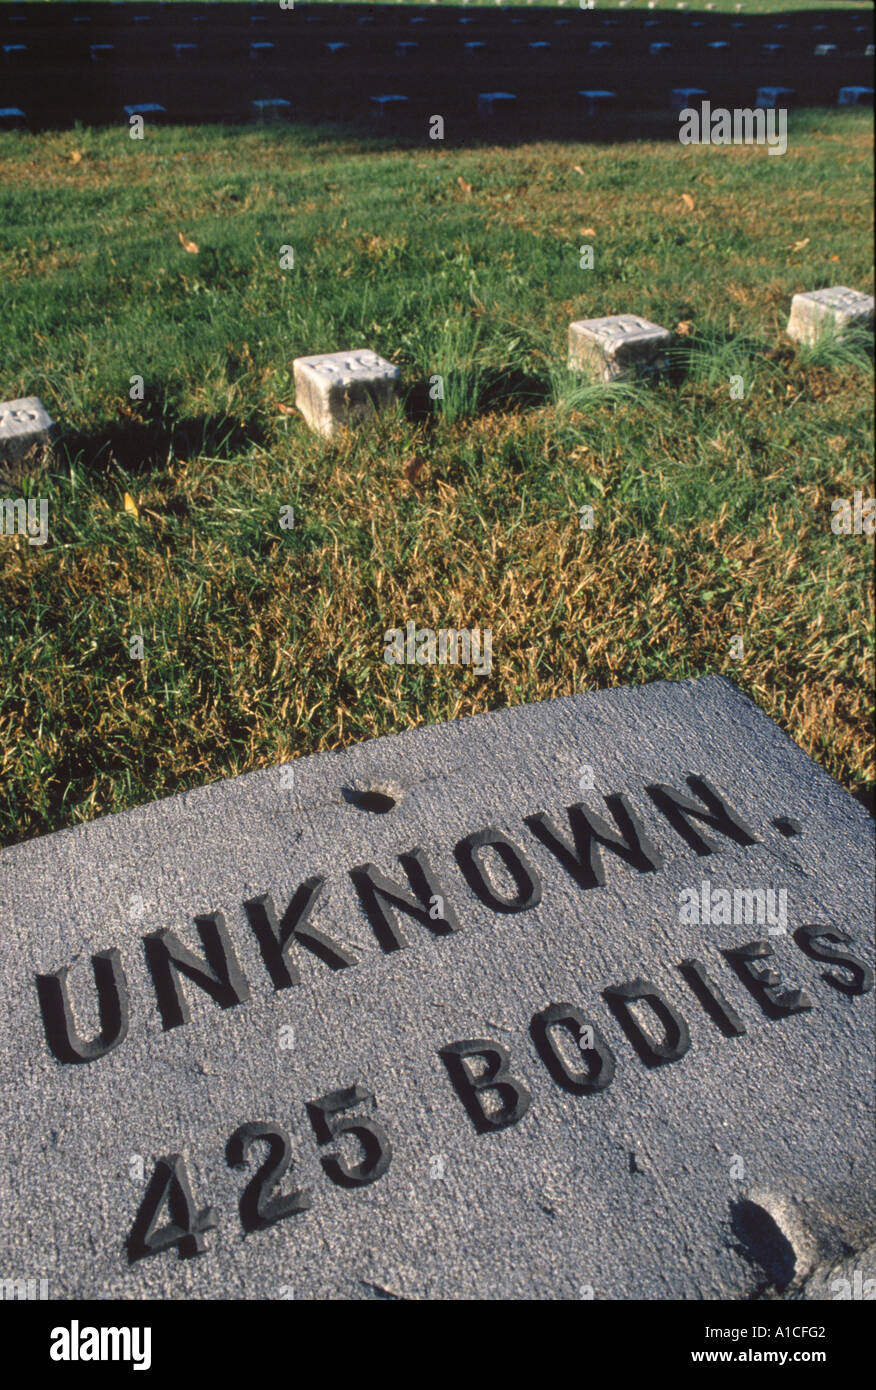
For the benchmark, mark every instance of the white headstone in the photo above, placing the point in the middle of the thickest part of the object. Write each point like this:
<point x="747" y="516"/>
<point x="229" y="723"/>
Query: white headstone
<point x="824" y="50"/>
<point x="855" y="96"/>
<point x="768" y="97"/>
<point x="144" y="108"/>
<point x="334" y="390"/>
<point x="492" y="103"/>
<point x="619" y="346"/>
<point x="683" y="97"/>
<point x="270" y="108"/>
<point x="597" y="100"/>
<point x="816" y="312"/>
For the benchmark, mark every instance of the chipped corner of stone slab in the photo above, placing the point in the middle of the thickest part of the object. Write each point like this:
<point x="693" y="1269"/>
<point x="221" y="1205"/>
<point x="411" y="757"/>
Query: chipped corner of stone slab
<point x="336" y="390"/>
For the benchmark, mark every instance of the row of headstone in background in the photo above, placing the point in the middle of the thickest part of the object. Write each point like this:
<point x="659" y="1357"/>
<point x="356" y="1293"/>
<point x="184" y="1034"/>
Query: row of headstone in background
<point x="338" y="389"/>
<point x="105" y="52"/>
<point x="470" y="49"/>
<point x="595" y="101"/>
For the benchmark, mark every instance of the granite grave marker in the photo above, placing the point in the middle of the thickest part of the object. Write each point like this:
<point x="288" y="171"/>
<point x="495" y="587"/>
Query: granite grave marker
<point x="427" y="1018"/>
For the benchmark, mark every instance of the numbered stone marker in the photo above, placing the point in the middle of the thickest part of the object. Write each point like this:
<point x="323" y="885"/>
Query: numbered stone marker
<point x="335" y="390"/>
<point x="25" y="425"/>
<point x="818" y="312"/>
<point x="620" y="346"/>
<point x="428" y="1019"/>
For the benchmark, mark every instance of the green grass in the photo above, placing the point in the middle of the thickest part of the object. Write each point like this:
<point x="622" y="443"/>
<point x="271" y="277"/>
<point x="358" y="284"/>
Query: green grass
<point x="712" y="514"/>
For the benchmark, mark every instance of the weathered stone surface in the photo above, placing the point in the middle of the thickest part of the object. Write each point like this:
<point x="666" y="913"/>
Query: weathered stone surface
<point x="834" y="310"/>
<point x="26" y="431"/>
<point x="694" y="1173"/>
<point x="618" y="346"/>
<point x="334" y="390"/>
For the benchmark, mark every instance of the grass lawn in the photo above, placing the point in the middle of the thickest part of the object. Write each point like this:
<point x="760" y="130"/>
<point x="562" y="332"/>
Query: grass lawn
<point x="712" y="514"/>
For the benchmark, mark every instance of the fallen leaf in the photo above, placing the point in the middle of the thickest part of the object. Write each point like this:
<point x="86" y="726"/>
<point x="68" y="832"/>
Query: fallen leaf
<point x="577" y="168"/>
<point x="688" y="201"/>
<point x="131" y="505"/>
<point x="75" y="156"/>
<point x="588" y="231"/>
<point x="834" y="258"/>
<point x="683" y="328"/>
<point x="413" y="469"/>
<point x="798" y="245"/>
<point x="466" y="187"/>
<point x="190" y="246"/>
<point x="286" y="409"/>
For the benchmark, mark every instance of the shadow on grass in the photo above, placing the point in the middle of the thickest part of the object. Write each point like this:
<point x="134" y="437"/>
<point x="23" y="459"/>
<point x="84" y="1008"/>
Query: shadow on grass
<point x="140" y="445"/>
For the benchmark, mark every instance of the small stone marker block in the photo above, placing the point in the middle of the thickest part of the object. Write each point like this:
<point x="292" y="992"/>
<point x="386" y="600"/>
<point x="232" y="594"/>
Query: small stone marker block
<point x="655" y="49"/>
<point x="683" y="97"/>
<point x="405" y="48"/>
<point x="14" y="51"/>
<point x="334" y="390"/>
<point x="600" y="46"/>
<point x="496" y="103"/>
<point x="270" y="109"/>
<point x="145" y="108"/>
<point x="388" y="105"/>
<point x="261" y="50"/>
<point x="185" y="50"/>
<point x="869" y="51"/>
<point x="597" y="102"/>
<point x="540" y="47"/>
<point x="335" y="47"/>
<point x="855" y="96"/>
<point x="772" y="48"/>
<point x="26" y="429"/>
<point x="824" y="50"/>
<point x="12" y="118"/>
<point x="474" y="50"/>
<point x="834" y="310"/>
<point x="622" y="345"/>
<point x="719" y="44"/>
<point x="768" y="97"/>
<point x="100" y="52"/>
<point x="750" y="1036"/>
